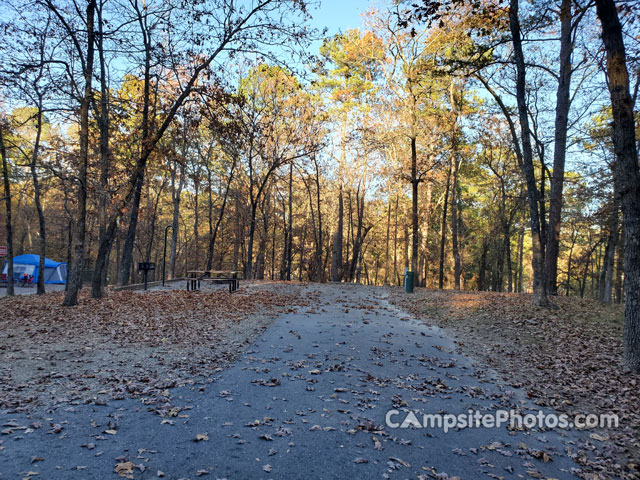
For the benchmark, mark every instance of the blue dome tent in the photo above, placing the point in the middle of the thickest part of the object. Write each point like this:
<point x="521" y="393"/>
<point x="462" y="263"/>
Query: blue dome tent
<point x="28" y="264"/>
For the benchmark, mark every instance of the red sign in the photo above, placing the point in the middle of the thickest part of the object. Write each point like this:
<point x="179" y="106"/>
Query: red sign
<point x="3" y="251"/>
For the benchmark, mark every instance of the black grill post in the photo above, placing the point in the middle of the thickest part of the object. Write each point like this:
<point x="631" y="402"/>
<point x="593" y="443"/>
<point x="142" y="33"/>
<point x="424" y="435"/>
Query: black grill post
<point x="145" y="267"/>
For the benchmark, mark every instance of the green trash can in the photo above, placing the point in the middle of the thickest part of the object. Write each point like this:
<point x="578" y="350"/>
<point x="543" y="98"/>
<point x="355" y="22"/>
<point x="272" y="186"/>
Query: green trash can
<point x="408" y="282"/>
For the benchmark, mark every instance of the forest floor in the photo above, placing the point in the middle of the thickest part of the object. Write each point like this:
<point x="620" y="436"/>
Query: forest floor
<point x="275" y="379"/>
<point x="568" y="358"/>
<point x="131" y="343"/>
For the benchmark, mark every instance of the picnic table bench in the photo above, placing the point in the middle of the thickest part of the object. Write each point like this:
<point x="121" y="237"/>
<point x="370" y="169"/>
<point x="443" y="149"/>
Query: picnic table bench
<point x="230" y="277"/>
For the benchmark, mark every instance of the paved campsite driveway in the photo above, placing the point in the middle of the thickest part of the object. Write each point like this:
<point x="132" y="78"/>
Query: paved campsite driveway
<point x="307" y="400"/>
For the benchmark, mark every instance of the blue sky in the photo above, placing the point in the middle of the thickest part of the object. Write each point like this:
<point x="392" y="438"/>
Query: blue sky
<point x="339" y="15"/>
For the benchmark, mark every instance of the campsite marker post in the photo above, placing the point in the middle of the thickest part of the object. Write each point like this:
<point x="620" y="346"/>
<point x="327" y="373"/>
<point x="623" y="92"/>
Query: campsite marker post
<point x="145" y="267"/>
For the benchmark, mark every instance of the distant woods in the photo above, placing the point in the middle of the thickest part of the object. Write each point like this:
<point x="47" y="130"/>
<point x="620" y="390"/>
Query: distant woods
<point x="472" y="145"/>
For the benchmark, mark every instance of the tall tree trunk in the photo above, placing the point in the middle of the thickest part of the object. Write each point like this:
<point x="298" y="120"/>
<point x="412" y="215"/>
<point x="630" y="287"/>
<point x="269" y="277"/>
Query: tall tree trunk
<point x="320" y="273"/>
<point x="507" y="247"/>
<point x="497" y="280"/>
<point x="406" y="250"/>
<point x="537" y="260"/>
<point x="386" y="250"/>
<point x="482" y="269"/>
<point x="239" y="234"/>
<point x="285" y="242"/>
<point x="350" y="237"/>
<point x="415" y="227"/>
<point x="196" y="253"/>
<point x="395" y="245"/>
<point x="443" y="233"/>
<point x="273" y="242"/>
<point x="214" y="232"/>
<point x="127" y="249"/>
<point x="290" y="226"/>
<point x="626" y="175"/>
<point x="585" y="272"/>
<point x="7" y="205"/>
<point x="42" y="232"/>
<point x="359" y="238"/>
<point x="69" y="246"/>
<point x="456" y="101"/>
<point x="262" y="244"/>
<point x="209" y="262"/>
<point x="154" y="219"/>
<point x="176" y="197"/>
<point x="336" y="253"/>
<point x="252" y="230"/>
<point x="105" y="231"/>
<point x="457" y="264"/>
<point x="147" y="144"/>
<point x="606" y="275"/>
<point x="425" y="233"/>
<point x="563" y="103"/>
<point x="620" y="268"/>
<point x="520" y="258"/>
<point x="569" y="262"/>
<point x="74" y="278"/>
<point x="302" y="253"/>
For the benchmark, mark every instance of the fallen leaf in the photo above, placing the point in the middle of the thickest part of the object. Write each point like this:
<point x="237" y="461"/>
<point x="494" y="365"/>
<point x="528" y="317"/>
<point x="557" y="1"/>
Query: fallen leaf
<point x="124" y="469"/>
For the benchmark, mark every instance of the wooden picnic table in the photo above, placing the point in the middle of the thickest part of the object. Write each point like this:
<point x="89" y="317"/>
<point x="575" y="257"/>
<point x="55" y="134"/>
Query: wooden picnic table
<point x="194" y="277"/>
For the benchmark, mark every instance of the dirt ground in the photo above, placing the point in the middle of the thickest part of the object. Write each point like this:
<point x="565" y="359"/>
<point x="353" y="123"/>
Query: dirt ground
<point x="568" y="357"/>
<point x="128" y="344"/>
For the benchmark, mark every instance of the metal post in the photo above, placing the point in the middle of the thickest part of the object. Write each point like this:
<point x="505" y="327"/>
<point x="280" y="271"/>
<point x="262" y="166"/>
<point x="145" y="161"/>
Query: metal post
<point x="164" y="252"/>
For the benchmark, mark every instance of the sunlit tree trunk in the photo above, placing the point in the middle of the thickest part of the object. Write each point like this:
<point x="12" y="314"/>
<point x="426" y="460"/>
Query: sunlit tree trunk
<point x="289" y="260"/>
<point x="336" y="253"/>
<point x="443" y="227"/>
<point x="387" y="238"/>
<point x="457" y="264"/>
<point x="425" y="232"/>
<point x="395" y="244"/>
